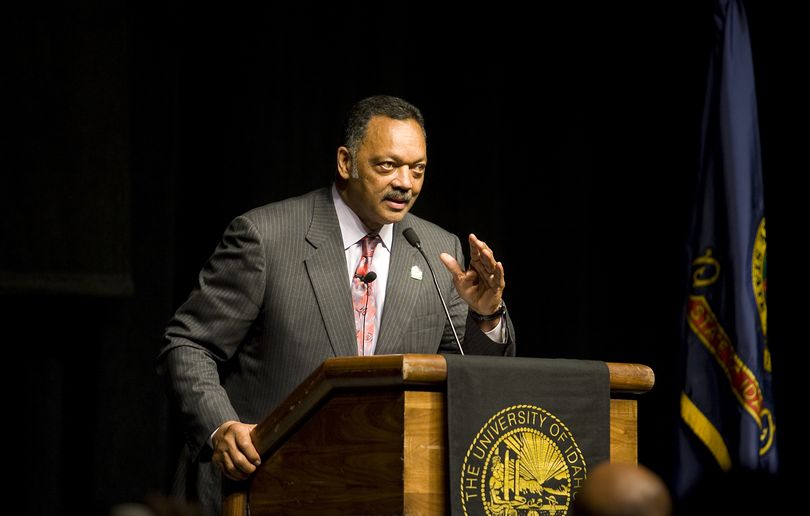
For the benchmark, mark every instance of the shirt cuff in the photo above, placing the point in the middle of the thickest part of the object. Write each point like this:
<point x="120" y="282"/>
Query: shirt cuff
<point x="498" y="333"/>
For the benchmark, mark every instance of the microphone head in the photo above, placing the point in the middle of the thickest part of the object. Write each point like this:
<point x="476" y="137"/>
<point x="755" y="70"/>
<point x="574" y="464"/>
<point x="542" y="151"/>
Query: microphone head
<point x="369" y="277"/>
<point x="412" y="238"/>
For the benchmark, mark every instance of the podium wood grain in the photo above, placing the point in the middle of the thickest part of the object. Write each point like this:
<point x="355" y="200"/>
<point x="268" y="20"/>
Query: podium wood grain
<point x="367" y="435"/>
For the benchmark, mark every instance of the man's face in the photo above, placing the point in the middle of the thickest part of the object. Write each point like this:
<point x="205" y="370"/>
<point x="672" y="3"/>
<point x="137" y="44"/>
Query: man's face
<point x="390" y="168"/>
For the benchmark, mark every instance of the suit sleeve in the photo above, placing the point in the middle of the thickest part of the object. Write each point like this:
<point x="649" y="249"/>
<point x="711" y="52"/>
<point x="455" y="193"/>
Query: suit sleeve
<point x="474" y="341"/>
<point x="209" y="327"/>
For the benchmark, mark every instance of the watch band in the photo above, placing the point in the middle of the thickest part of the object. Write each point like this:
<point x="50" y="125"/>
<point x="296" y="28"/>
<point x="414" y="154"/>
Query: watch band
<point x="491" y="317"/>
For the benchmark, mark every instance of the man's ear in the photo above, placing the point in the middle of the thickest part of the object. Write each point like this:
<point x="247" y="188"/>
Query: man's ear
<point x="344" y="163"/>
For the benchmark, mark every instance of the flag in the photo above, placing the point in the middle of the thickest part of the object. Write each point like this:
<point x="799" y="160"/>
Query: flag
<point x="727" y="418"/>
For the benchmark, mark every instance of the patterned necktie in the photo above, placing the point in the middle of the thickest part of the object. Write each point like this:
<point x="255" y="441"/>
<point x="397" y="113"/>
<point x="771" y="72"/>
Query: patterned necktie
<point x="365" y="307"/>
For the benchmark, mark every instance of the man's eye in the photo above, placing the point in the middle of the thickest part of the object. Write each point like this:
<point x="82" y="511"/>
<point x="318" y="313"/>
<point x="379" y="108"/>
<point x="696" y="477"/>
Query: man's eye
<point x="387" y="165"/>
<point x="419" y="168"/>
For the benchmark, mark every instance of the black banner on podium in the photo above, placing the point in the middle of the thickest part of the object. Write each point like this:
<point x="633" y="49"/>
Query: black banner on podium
<point x="523" y="432"/>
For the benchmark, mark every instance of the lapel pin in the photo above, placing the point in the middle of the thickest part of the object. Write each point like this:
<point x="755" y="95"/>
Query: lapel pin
<point x="416" y="273"/>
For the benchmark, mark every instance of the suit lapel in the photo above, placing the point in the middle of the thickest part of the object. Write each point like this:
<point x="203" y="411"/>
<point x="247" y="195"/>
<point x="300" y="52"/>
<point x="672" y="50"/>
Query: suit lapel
<point x="400" y="293"/>
<point x="324" y="264"/>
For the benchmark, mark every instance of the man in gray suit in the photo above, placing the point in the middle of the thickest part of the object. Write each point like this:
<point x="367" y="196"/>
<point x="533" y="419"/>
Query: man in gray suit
<point x="276" y="298"/>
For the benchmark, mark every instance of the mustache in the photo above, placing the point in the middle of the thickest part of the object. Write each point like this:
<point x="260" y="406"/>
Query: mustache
<point x="398" y="197"/>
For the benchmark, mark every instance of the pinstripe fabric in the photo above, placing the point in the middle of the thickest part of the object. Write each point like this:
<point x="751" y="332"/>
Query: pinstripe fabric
<point x="273" y="303"/>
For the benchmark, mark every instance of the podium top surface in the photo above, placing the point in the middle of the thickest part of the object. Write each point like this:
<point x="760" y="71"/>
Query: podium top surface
<point x="414" y="369"/>
<point x="408" y="371"/>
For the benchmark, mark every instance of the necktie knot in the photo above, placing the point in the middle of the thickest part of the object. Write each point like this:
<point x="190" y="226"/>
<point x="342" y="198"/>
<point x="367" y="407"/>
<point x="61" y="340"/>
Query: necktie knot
<point x="369" y="243"/>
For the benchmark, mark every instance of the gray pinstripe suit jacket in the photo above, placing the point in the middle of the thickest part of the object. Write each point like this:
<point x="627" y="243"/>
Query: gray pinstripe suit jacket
<point x="273" y="303"/>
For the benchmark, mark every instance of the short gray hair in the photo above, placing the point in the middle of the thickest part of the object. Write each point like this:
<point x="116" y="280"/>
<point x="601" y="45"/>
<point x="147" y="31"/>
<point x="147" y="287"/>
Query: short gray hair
<point x="378" y="105"/>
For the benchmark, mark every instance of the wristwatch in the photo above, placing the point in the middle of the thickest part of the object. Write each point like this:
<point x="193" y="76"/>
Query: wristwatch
<point x="491" y="317"/>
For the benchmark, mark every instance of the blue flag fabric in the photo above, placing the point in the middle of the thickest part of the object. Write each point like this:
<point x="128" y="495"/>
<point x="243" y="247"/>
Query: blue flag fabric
<point x="726" y="405"/>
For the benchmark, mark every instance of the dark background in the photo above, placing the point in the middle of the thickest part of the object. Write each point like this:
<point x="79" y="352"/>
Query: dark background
<point x="564" y="136"/>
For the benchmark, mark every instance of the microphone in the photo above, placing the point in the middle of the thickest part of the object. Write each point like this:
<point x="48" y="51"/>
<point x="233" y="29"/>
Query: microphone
<point x="413" y="239"/>
<point x="367" y="278"/>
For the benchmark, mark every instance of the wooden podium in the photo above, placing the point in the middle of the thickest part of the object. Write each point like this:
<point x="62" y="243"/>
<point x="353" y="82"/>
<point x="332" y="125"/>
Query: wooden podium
<point x="368" y="435"/>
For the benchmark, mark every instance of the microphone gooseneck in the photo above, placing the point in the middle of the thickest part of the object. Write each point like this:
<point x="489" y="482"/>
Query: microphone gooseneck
<point x="413" y="239"/>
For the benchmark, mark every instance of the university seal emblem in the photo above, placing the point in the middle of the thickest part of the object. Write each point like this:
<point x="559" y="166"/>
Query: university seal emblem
<point x="523" y="462"/>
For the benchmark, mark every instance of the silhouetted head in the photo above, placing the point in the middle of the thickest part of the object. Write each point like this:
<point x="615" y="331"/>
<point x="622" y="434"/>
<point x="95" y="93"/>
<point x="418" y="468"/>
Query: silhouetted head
<point x="613" y="489"/>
